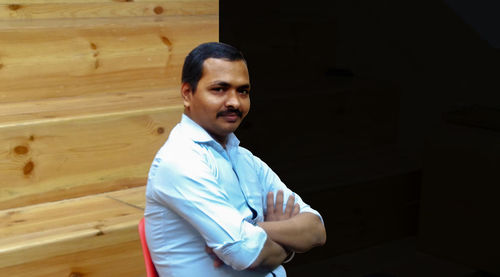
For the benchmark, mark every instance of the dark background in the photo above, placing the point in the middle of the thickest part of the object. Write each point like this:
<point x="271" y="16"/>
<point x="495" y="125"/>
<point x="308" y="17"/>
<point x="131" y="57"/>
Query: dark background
<point x="385" y="117"/>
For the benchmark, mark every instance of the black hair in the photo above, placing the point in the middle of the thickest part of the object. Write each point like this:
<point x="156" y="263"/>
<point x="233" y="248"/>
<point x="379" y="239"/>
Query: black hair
<point x="193" y="64"/>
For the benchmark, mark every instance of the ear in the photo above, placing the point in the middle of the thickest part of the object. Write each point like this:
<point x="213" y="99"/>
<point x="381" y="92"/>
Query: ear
<point x="187" y="94"/>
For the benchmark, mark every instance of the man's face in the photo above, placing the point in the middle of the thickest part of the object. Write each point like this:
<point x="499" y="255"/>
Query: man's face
<point x="221" y="100"/>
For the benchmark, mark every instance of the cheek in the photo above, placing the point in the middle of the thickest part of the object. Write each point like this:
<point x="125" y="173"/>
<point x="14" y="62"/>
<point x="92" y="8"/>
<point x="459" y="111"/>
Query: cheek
<point x="208" y="105"/>
<point x="213" y="103"/>
<point x="245" y="107"/>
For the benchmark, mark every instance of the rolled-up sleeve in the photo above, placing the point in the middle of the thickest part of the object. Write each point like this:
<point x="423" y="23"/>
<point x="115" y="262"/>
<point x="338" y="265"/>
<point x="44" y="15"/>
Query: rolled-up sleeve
<point x="189" y="188"/>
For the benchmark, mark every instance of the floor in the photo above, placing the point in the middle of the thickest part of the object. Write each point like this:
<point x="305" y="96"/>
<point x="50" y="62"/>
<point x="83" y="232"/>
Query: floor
<point x="392" y="259"/>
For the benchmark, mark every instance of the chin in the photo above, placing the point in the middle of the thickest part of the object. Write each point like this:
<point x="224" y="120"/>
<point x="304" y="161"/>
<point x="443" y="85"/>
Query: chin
<point x="227" y="131"/>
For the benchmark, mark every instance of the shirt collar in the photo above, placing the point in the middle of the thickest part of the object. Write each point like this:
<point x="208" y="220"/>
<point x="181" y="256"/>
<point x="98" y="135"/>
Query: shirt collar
<point x="198" y="134"/>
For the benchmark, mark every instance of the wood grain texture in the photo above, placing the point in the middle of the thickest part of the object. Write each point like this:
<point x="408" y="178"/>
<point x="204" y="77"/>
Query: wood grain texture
<point x="42" y="231"/>
<point x="135" y="197"/>
<point x="56" y="109"/>
<point x="62" y="58"/>
<point x="124" y="259"/>
<point x="57" y="9"/>
<point x="49" y="230"/>
<point x="89" y="93"/>
<point x="72" y="157"/>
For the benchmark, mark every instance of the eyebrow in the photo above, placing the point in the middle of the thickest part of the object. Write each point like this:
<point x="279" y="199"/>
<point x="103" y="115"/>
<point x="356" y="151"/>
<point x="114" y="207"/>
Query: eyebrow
<point x="226" y="84"/>
<point x="220" y="83"/>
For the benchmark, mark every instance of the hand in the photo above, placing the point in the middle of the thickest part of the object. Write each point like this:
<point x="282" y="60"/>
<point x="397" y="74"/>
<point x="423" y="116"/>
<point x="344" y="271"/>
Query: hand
<point x="275" y="211"/>
<point x="217" y="262"/>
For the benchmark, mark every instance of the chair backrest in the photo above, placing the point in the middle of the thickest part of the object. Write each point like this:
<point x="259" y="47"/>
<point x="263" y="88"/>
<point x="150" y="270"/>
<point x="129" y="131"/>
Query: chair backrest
<point x="150" y="267"/>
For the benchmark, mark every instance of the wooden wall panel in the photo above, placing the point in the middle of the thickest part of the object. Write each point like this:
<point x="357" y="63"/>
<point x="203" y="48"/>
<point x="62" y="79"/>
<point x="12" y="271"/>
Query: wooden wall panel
<point x="72" y="157"/>
<point x="89" y="92"/>
<point x="43" y="9"/>
<point x="84" y="96"/>
<point x="69" y="58"/>
<point x="135" y="196"/>
<point x="55" y="109"/>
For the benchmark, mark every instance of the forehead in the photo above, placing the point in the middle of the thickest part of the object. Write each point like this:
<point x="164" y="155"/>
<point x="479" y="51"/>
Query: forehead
<point x="225" y="69"/>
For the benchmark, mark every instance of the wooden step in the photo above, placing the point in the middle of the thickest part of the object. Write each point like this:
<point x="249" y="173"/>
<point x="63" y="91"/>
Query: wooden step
<point x="48" y="9"/>
<point x="43" y="59"/>
<point x="89" y="236"/>
<point x="72" y="155"/>
<point x="134" y="196"/>
<point x="69" y="108"/>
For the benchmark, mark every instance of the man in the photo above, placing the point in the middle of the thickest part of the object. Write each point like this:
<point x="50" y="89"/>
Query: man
<point x="212" y="208"/>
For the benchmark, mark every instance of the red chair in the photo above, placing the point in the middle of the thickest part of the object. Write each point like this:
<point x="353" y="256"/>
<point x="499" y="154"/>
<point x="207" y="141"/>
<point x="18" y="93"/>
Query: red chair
<point x="150" y="267"/>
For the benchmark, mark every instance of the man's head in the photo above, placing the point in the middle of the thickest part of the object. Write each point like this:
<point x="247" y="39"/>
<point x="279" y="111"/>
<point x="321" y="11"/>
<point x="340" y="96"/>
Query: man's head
<point x="193" y="64"/>
<point x="215" y="88"/>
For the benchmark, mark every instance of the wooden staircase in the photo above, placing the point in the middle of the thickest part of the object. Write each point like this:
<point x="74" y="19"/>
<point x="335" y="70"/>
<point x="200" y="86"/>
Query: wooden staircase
<point x="89" y="91"/>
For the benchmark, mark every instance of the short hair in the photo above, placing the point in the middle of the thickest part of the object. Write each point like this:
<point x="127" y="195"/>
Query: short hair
<point x="192" y="69"/>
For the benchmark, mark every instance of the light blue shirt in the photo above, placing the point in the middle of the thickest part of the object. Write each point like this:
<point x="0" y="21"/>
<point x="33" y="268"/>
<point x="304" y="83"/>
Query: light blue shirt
<point x="199" y="194"/>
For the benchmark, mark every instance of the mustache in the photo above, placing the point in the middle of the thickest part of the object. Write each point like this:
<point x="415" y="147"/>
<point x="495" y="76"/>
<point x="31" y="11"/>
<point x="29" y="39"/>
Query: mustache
<point x="229" y="112"/>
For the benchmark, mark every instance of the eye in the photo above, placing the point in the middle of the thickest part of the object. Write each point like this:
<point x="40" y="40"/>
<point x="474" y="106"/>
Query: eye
<point x="244" y="91"/>
<point x="218" y="89"/>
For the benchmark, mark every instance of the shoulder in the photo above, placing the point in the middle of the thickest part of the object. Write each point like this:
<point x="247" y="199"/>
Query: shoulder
<point x="181" y="155"/>
<point x="249" y="157"/>
<point x="245" y="152"/>
<point x="176" y="167"/>
<point x="186" y="154"/>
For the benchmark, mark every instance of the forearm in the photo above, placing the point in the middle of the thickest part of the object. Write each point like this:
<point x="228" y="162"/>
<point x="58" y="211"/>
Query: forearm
<point x="299" y="233"/>
<point x="271" y="256"/>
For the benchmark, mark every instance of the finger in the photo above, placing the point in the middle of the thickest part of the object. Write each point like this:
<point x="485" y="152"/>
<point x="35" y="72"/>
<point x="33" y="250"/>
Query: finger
<point x="279" y="202"/>
<point x="289" y="205"/>
<point x="296" y="209"/>
<point x="270" y="202"/>
<point x="218" y="262"/>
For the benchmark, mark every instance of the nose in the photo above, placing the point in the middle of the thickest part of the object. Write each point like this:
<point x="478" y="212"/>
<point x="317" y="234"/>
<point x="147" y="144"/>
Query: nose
<point x="233" y="99"/>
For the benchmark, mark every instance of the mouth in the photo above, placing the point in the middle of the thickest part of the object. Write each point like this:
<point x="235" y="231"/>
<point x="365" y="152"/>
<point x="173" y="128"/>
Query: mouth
<point x="232" y="117"/>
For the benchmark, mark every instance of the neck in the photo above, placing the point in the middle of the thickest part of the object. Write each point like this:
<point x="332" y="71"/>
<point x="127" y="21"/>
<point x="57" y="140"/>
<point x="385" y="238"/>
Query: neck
<point x="221" y="140"/>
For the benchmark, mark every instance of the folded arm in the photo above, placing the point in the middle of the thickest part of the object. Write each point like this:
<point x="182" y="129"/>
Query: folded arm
<point x="295" y="231"/>
<point x="270" y="257"/>
<point x="201" y="202"/>
<point x="300" y="233"/>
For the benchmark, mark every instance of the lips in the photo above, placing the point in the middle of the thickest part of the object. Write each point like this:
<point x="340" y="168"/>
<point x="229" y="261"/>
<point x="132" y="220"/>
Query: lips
<point x="231" y="117"/>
